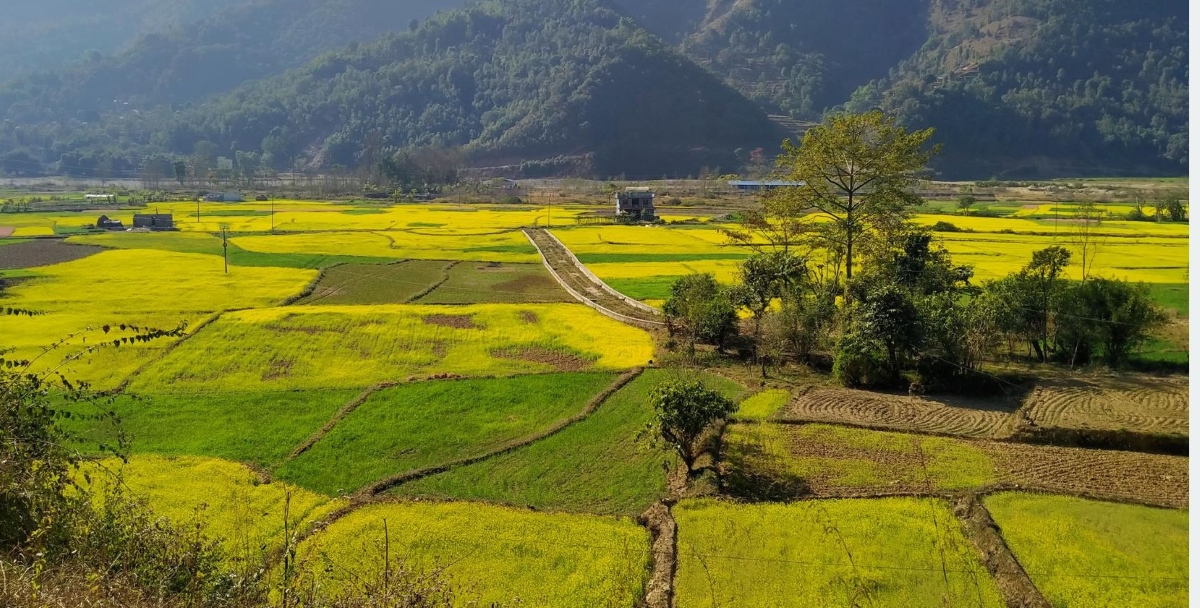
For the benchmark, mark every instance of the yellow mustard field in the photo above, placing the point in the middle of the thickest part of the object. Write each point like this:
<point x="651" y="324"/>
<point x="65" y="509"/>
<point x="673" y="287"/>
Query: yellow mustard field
<point x="232" y="501"/>
<point x="510" y="246"/>
<point x="356" y="346"/>
<point x="147" y="288"/>
<point x="493" y="554"/>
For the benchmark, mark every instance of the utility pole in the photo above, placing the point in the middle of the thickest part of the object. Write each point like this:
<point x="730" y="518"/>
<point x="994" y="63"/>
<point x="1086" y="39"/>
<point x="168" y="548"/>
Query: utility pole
<point x="197" y="210"/>
<point x="225" y="247"/>
<point x="272" y="216"/>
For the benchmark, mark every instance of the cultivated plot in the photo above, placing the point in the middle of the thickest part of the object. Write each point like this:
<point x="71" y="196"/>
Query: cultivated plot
<point x="493" y="282"/>
<point x="1086" y="553"/>
<point x="603" y="464"/>
<point x="1142" y="404"/>
<point x="357" y="346"/>
<point x="376" y="283"/>
<point x="425" y="424"/>
<point x="256" y="427"/>
<point x="234" y="503"/>
<point x="149" y="289"/>
<point x="881" y="552"/>
<point x="786" y="461"/>
<point x="491" y="553"/>
<point x="971" y="417"/>
<point x="510" y="246"/>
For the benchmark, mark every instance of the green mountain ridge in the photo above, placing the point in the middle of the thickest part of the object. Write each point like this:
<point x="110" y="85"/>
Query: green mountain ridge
<point x="1015" y="88"/>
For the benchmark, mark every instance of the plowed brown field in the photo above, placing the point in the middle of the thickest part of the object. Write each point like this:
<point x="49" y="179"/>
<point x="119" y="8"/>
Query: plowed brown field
<point x="1143" y="404"/>
<point x="984" y="418"/>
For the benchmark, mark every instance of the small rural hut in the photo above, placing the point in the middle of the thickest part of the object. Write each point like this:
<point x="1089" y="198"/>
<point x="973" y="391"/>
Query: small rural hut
<point x="636" y="204"/>
<point x="107" y="223"/>
<point x="154" y="221"/>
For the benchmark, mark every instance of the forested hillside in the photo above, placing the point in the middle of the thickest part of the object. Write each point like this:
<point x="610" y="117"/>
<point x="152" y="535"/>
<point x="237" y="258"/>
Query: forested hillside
<point x="49" y="34"/>
<point x="1049" y="87"/>
<point x="567" y="84"/>
<point x="1014" y="88"/>
<point x="242" y="43"/>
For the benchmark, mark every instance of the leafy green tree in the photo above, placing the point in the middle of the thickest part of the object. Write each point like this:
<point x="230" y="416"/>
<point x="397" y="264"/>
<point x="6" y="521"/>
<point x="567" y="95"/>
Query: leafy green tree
<point x="1105" y="317"/>
<point x="858" y="171"/>
<point x="683" y="410"/>
<point x="762" y="279"/>
<point x="701" y="310"/>
<point x="965" y="202"/>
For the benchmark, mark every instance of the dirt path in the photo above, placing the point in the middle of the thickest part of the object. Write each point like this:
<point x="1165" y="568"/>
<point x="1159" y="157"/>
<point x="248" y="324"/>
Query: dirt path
<point x="1014" y="583"/>
<point x="563" y="265"/>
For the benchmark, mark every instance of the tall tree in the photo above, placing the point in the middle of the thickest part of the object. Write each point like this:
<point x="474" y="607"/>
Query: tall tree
<point x="858" y="170"/>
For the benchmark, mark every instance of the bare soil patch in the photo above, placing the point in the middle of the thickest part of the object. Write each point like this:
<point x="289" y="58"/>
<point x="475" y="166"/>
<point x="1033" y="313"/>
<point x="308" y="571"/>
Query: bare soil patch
<point x="6" y="231"/>
<point x="529" y="317"/>
<point x="969" y="417"/>
<point x="1141" y="404"/>
<point x="43" y="252"/>
<point x="560" y="360"/>
<point x="1148" y="478"/>
<point x="454" y="321"/>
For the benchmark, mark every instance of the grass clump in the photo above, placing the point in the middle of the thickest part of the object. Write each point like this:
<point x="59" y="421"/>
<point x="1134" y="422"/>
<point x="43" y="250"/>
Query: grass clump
<point x="598" y="465"/>
<point x="1087" y="553"/>
<point x="493" y="554"/>
<point x="424" y="424"/>
<point x="858" y="552"/>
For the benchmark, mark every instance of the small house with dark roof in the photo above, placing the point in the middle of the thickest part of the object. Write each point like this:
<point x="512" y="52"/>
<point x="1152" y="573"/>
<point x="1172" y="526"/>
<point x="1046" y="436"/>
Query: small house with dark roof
<point x="154" y="221"/>
<point x="636" y="204"/>
<point x="107" y="223"/>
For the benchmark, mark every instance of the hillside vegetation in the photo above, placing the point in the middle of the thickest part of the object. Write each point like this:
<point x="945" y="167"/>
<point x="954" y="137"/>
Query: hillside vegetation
<point x="1014" y="88"/>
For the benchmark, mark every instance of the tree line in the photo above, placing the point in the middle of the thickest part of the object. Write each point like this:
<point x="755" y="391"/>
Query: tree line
<point x="839" y="278"/>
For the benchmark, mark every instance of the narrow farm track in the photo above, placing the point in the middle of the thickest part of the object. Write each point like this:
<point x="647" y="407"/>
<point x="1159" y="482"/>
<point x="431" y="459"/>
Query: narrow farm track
<point x="567" y="270"/>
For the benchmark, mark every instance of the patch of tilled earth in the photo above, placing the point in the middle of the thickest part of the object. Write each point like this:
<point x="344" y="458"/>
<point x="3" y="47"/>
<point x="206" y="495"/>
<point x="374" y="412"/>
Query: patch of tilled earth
<point x="560" y="360"/>
<point x="453" y="321"/>
<point x="983" y="418"/>
<point x="1103" y="474"/>
<point x="1142" y="404"/>
<point x="1149" y="478"/>
<point x="43" y="252"/>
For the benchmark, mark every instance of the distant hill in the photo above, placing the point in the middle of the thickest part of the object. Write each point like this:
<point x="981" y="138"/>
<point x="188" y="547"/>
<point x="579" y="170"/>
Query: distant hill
<point x="1014" y="88"/>
<point x="568" y="84"/>
<point x="1045" y="88"/>
<point x="38" y="35"/>
<point x="245" y="41"/>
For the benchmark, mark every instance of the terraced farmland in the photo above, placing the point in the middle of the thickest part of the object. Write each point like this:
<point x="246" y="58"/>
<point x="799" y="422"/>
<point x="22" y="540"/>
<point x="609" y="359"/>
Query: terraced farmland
<point x="1133" y="403"/>
<point x="955" y="416"/>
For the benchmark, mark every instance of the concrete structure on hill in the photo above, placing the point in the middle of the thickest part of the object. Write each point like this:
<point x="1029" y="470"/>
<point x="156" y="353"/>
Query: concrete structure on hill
<point x="636" y="204"/>
<point x="154" y="221"/>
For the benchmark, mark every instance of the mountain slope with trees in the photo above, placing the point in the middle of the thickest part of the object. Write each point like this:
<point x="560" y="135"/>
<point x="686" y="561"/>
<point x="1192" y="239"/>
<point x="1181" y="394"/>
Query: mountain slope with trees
<point x="568" y="83"/>
<point x="1038" y="88"/>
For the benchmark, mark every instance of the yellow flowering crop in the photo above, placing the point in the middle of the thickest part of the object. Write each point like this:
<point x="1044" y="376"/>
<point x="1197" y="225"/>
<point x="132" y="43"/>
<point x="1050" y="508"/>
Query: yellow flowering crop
<point x="232" y="501"/>
<point x="141" y="287"/>
<point x="503" y="247"/>
<point x="355" y="346"/>
<point x="492" y="553"/>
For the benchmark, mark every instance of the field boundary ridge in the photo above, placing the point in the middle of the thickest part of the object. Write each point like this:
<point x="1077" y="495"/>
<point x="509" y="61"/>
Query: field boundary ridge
<point x="386" y="484"/>
<point x="344" y="411"/>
